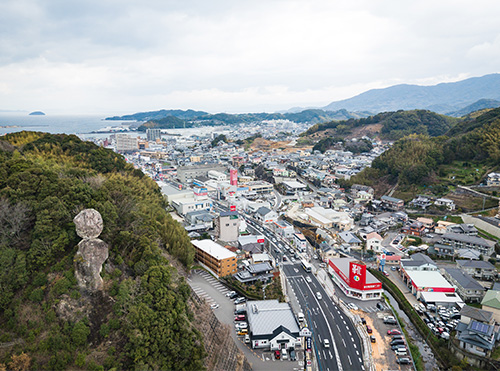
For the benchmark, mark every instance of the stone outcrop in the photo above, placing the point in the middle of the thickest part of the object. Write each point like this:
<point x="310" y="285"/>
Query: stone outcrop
<point x="92" y="252"/>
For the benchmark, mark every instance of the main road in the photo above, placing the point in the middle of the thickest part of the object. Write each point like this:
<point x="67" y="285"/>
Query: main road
<point x="325" y="319"/>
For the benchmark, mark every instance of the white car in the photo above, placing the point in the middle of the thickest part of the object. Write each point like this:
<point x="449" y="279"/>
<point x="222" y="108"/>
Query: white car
<point x="318" y="295"/>
<point x="352" y="306"/>
<point x="308" y="279"/>
<point x="228" y="294"/>
<point x="214" y="306"/>
<point x="241" y="325"/>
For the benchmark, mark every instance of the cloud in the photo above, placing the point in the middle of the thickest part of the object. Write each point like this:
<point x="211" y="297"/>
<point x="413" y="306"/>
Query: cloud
<point x="227" y="56"/>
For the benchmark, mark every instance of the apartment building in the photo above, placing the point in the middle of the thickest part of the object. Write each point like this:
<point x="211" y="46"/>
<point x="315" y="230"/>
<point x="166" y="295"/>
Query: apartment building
<point x="219" y="260"/>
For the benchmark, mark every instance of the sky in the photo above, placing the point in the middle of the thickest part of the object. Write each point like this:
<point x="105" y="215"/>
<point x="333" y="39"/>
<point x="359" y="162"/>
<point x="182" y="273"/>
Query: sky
<point x="118" y="57"/>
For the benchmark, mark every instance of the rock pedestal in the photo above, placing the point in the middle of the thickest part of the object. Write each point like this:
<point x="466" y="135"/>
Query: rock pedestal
<point x="92" y="252"/>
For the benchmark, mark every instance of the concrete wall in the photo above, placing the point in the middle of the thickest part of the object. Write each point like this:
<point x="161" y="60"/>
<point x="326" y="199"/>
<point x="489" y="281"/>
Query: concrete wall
<point x="481" y="224"/>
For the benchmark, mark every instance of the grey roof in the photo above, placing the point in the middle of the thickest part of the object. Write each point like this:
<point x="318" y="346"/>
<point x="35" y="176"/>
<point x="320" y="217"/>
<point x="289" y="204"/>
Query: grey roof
<point x="418" y="259"/>
<point x="349" y="237"/>
<point x="478" y="264"/>
<point x="476" y="313"/>
<point x="259" y="268"/>
<point x="469" y="239"/>
<point x="464" y="280"/>
<point x="468" y="254"/>
<point x="390" y="199"/>
<point x="477" y="334"/>
<point x="263" y="210"/>
<point x="265" y="316"/>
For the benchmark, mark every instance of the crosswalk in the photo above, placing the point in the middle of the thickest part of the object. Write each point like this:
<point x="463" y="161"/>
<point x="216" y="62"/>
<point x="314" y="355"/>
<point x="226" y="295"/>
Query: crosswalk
<point x="213" y="281"/>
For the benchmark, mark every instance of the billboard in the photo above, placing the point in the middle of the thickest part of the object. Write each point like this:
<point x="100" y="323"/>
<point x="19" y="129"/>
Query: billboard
<point x="233" y="176"/>
<point x="357" y="275"/>
<point x="232" y="208"/>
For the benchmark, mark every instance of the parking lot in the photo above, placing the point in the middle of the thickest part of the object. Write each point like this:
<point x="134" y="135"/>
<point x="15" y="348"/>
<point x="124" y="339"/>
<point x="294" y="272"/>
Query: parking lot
<point x="209" y="288"/>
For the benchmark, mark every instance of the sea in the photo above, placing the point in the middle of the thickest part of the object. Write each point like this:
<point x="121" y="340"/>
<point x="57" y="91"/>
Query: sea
<point x="85" y="126"/>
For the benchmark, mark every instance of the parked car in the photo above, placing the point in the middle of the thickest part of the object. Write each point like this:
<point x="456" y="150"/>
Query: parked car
<point x="241" y="325"/>
<point x="247" y="338"/>
<point x="445" y="335"/>
<point x="397" y="342"/>
<point x="398" y="346"/>
<point x="373" y="339"/>
<point x="397" y="337"/>
<point x="352" y="306"/>
<point x="393" y="332"/>
<point x="308" y="279"/>
<point x="228" y="294"/>
<point x="240" y="317"/>
<point x="277" y="354"/>
<point x="284" y="354"/>
<point x="242" y="332"/>
<point x="363" y="321"/>
<point x="240" y="300"/>
<point x="403" y="360"/>
<point x="214" y="306"/>
<point x="401" y="352"/>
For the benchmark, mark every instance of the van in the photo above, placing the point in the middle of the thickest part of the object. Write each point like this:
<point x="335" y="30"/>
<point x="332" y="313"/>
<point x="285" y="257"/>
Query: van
<point x="301" y="317"/>
<point x="326" y="343"/>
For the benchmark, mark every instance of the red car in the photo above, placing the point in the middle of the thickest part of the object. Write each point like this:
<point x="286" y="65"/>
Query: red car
<point x="240" y="317"/>
<point x="393" y="332"/>
<point x="277" y="354"/>
<point x="368" y="329"/>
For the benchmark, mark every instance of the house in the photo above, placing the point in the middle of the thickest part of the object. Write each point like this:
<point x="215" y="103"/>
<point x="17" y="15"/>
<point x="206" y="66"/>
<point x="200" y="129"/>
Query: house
<point x="272" y="325"/>
<point x="442" y="227"/>
<point x="493" y="180"/>
<point x="479" y="269"/>
<point x="349" y="238"/>
<point x="467" y="229"/>
<point x="374" y="242"/>
<point x="414" y="229"/>
<point x="446" y="202"/>
<point x="491" y="303"/>
<point x="467" y="287"/>
<point x="475" y="331"/>
<point x="284" y="228"/>
<point x="255" y="272"/>
<point x="418" y="262"/>
<point x="421" y="202"/>
<point x="266" y="215"/>
<point x="392" y="203"/>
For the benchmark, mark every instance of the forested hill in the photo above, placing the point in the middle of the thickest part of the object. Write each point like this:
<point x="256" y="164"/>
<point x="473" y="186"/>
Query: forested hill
<point x="142" y="319"/>
<point x="422" y="160"/>
<point x="169" y="119"/>
<point x="388" y="125"/>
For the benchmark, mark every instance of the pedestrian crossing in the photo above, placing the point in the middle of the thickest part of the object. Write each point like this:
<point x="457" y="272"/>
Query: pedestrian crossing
<point x="373" y="309"/>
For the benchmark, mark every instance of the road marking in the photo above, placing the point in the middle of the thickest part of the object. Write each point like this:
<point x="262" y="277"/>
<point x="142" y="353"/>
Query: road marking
<point x="352" y="339"/>
<point x="341" y="316"/>
<point x="315" y="325"/>
<point x="350" y="333"/>
<point x="344" y="323"/>
<point x="331" y="355"/>
<point x="319" y="337"/>
<point x="354" y="346"/>
<point x="359" y="360"/>
<point x="349" y="358"/>
<point x="324" y="354"/>
<point x="338" y="327"/>
<point x="357" y="352"/>
<point x="344" y="342"/>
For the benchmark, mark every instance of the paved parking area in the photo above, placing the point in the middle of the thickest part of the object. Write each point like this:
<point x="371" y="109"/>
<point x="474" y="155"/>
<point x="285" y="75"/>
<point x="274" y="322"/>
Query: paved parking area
<point x="213" y="291"/>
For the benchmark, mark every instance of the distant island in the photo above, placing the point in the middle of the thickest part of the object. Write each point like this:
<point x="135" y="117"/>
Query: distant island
<point x="37" y="113"/>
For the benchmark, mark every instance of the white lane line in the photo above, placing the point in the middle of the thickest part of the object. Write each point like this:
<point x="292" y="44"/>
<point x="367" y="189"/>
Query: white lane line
<point x="350" y="333"/>
<point x="324" y="353"/>
<point x="331" y="355"/>
<point x="344" y="342"/>
<point x="349" y="358"/>
<point x="315" y="325"/>
<point x="357" y="352"/>
<point x="344" y="323"/>
<point x="362" y="367"/>
<point x="354" y="345"/>
<point x="359" y="360"/>
<point x="341" y="316"/>
<point x="352" y="339"/>
<point x="338" y="327"/>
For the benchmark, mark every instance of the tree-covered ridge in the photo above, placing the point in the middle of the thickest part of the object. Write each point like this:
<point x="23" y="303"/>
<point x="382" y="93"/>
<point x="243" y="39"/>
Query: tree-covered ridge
<point x="419" y="159"/>
<point x="144" y="322"/>
<point x="394" y="125"/>
<point x="172" y="119"/>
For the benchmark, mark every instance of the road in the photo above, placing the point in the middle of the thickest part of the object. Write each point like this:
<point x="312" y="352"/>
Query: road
<point x="325" y="319"/>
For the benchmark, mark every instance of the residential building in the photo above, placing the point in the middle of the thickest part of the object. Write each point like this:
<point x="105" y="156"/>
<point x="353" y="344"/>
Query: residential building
<point x="493" y="180"/>
<point x="219" y="260"/>
<point x="392" y="203"/>
<point x="153" y="134"/>
<point x="265" y="215"/>
<point x="227" y="226"/>
<point x="284" y="229"/>
<point x="479" y="269"/>
<point x="491" y="303"/>
<point x="349" y="238"/>
<point x="459" y="241"/>
<point x="272" y="325"/>
<point x="414" y="229"/>
<point x="418" y="262"/>
<point x="300" y="241"/>
<point x="475" y="331"/>
<point x="467" y="287"/>
<point x="255" y="272"/>
<point x="217" y="176"/>
<point x="374" y="242"/>
<point x="465" y="228"/>
<point x="446" y="202"/>
<point x="126" y="143"/>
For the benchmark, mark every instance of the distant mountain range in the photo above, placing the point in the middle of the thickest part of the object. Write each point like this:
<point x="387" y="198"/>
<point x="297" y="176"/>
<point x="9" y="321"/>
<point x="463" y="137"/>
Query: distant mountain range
<point x="445" y="98"/>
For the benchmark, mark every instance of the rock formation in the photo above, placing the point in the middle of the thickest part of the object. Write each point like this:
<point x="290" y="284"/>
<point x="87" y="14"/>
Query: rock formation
<point x="92" y="252"/>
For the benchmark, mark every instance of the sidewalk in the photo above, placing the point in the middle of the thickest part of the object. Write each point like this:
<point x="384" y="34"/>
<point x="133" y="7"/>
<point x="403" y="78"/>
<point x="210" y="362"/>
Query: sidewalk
<point x="396" y="279"/>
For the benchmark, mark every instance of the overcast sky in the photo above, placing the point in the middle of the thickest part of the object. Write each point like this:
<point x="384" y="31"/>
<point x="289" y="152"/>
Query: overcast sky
<point x="124" y="56"/>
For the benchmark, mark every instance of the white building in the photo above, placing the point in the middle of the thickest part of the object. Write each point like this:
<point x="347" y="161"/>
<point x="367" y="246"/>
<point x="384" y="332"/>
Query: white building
<point x="374" y="242"/>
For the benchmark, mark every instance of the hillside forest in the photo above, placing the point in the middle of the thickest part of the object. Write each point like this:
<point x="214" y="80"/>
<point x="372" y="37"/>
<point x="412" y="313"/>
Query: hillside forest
<point x="142" y="319"/>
